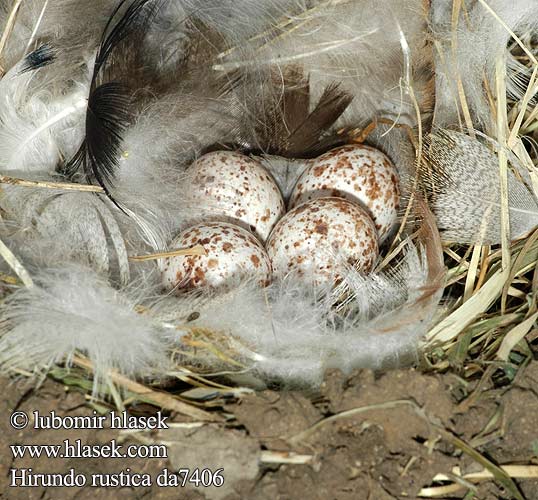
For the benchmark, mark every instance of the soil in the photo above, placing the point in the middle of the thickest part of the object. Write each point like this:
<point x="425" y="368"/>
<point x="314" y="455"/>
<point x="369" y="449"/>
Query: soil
<point x="376" y="437"/>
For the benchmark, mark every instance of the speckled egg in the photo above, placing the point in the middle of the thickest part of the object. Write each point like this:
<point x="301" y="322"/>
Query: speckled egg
<point x="358" y="173"/>
<point x="232" y="253"/>
<point x="233" y="187"/>
<point x="314" y="239"/>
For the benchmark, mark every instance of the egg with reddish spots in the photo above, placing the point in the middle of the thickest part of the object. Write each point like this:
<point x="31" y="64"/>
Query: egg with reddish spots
<point x="232" y="187"/>
<point x="318" y="238"/>
<point x="358" y="173"/>
<point x="231" y="254"/>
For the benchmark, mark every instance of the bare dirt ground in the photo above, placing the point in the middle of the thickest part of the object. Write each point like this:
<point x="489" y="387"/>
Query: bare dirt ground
<point x="361" y="437"/>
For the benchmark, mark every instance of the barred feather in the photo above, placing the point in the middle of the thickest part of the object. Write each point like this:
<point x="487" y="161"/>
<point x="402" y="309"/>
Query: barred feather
<point x="461" y="175"/>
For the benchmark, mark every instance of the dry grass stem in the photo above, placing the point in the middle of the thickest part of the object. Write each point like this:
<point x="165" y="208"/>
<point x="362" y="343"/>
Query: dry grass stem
<point x="65" y="186"/>
<point x="197" y="250"/>
<point x="162" y="399"/>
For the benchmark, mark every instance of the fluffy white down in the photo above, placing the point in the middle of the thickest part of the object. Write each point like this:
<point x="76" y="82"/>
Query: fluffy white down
<point x="41" y="120"/>
<point x="73" y="309"/>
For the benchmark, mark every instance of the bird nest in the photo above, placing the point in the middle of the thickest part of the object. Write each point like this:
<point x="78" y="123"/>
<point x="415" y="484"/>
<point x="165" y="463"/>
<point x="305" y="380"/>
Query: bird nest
<point x="92" y="193"/>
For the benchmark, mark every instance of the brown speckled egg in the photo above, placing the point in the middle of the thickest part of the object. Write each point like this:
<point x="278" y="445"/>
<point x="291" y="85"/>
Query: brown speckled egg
<point x="358" y="173"/>
<point x="314" y="239"/>
<point x="233" y="187"/>
<point x="232" y="253"/>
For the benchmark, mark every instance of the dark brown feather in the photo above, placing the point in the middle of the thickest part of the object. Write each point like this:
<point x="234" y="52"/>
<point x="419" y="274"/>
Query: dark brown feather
<point x="305" y="138"/>
<point x="284" y="124"/>
<point x="296" y="98"/>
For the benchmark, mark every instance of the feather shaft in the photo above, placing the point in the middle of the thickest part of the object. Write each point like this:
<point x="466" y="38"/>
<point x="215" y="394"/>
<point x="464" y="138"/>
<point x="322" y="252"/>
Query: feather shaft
<point x="16" y="265"/>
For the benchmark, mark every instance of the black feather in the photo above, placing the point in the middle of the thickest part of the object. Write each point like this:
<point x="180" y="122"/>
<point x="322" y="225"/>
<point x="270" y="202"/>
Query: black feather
<point x="135" y="19"/>
<point x="108" y="113"/>
<point x="42" y="56"/>
<point x="107" y="118"/>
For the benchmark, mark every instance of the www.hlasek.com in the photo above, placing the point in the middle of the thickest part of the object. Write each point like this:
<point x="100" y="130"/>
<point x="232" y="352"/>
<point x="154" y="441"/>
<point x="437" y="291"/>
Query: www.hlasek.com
<point x="79" y="450"/>
<point x="30" y="478"/>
